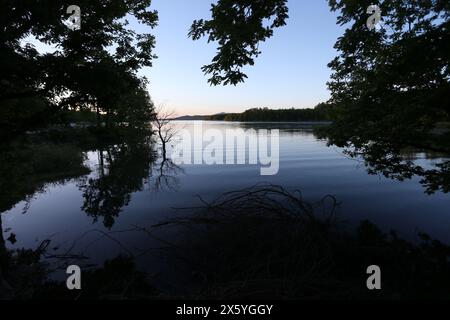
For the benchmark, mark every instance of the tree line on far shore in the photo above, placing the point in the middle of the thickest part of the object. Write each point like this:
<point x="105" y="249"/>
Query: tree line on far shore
<point x="322" y="112"/>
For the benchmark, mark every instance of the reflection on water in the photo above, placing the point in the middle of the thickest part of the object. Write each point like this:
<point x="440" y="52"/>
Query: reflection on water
<point x="120" y="170"/>
<point x="131" y="187"/>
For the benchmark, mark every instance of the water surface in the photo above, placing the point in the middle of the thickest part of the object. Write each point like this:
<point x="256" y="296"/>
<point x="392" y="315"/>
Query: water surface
<point x="100" y="215"/>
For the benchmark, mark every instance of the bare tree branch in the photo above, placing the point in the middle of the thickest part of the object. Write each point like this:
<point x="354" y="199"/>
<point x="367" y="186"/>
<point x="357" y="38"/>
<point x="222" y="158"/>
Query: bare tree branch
<point x="164" y="128"/>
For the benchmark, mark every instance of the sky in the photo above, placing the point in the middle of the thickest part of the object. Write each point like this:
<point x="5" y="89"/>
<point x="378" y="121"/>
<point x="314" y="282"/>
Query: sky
<point x="291" y="72"/>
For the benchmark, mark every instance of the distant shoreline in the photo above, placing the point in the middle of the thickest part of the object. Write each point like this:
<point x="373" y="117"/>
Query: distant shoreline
<point x="268" y="122"/>
<point x="321" y="113"/>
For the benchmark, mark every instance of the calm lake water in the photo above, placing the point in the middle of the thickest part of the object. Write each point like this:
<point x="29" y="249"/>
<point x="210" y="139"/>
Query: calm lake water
<point x="99" y="215"/>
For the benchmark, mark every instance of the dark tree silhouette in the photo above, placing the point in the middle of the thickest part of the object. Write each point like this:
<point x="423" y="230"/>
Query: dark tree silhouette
<point x="164" y="129"/>
<point x="238" y="26"/>
<point x="391" y="88"/>
<point x="94" y="67"/>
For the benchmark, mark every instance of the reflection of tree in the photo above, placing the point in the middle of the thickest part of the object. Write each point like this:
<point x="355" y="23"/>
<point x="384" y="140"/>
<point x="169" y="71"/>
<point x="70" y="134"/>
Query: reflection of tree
<point x="393" y="163"/>
<point x="122" y="170"/>
<point x="166" y="176"/>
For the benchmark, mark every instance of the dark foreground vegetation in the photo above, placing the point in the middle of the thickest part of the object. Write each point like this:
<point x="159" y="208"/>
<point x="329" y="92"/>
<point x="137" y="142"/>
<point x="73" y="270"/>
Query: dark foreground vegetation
<point x="262" y="242"/>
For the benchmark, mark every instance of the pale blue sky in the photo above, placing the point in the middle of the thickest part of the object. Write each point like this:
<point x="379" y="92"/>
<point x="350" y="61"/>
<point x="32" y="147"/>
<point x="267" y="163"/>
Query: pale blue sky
<point x="291" y="72"/>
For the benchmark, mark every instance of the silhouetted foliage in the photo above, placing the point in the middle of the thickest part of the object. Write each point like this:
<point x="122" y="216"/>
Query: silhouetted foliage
<point x="238" y="26"/>
<point x="91" y="68"/>
<point x="390" y="88"/>
<point x="24" y="275"/>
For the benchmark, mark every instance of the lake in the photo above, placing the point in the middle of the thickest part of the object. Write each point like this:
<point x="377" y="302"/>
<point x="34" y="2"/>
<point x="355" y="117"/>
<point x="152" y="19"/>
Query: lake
<point x="104" y="213"/>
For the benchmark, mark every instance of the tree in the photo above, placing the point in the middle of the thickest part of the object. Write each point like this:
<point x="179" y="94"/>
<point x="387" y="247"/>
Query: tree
<point x="90" y="67"/>
<point x="392" y="83"/>
<point x="389" y="87"/>
<point x="164" y="129"/>
<point x="135" y="107"/>
<point x="238" y="26"/>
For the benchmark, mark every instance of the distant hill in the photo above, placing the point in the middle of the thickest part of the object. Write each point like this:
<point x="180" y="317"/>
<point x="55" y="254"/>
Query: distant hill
<point x="199" y="117"/>
<point x="192" y="118"/>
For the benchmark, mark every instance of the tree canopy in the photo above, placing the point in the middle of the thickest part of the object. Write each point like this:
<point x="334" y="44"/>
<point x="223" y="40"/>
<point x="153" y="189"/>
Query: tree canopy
<point x="394" y="82"/>
<point x="391" y="87"/>
<point x="238" y="26"/>
<point x="94" y="67"/>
